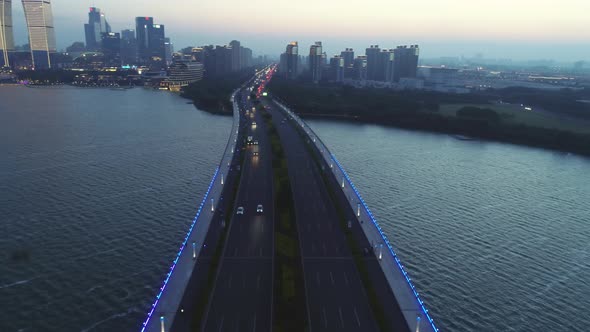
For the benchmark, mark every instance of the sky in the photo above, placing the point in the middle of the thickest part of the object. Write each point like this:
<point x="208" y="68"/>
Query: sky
<point x="516" y="29"/>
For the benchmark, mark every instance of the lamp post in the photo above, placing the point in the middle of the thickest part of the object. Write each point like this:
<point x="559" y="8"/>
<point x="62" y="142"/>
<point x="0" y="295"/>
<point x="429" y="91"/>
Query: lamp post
<point x="162" y="328"/>
<point x="212" y="204"/>
<point x="194" y="250"/>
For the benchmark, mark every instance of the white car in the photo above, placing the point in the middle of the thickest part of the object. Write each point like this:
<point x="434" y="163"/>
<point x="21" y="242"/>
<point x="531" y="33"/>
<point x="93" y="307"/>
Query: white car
<point x="259" y="208"/>
<point x="240" y="210"/>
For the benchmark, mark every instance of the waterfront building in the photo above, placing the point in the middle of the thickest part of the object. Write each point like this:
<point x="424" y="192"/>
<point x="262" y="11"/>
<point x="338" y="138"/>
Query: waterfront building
<point x="6" y="36"/>
<point x="111" y="49"/>
<point x="93" y="30"/>
<point x="143" y="27"/>
<point x="128" y="47"/>
<point x="316" y="61"/>
<point x="372" y="56"/>
<point x="360" y="68"/>
<point x="337" y="68"/>
<point x="235" y="55"/>
<point x="41" y="33"/>
<point x="405" y="62"/>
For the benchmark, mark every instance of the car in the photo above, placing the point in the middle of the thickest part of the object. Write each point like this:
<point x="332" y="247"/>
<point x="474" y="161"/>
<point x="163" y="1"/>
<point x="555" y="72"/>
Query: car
<point x="255" y="153"/>
<point x="240" y="210"/>
<point x="259" y="208"/>
<point x="255" y="142"/>
<point x="253" y="123"/>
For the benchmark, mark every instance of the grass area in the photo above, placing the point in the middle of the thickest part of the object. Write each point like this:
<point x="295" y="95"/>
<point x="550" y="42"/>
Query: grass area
<point x="357" y="255"/>
<point x="290" y="313"/>
<point x="515" y="114"/>
<point x="205" y="297"/>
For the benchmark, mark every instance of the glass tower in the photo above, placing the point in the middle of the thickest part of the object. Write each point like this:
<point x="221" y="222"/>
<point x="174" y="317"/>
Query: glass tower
<point x="6" y="37"/>
<point x="41" y="34"/>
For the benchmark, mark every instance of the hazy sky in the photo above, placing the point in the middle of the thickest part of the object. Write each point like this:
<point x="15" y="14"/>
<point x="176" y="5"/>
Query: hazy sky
<point x="518" y="29"/>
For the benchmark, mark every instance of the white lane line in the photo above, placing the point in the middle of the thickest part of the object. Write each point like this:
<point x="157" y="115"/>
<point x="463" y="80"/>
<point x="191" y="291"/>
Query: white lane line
<point x="332" y="277"/>
<point x="221" y="324"/>
<point x="358" y="321"/>
<point x="254" y="329"/>
<point x="345" y="278"/>
<point x="325" y="318"/>
<point x="341" y="318"/>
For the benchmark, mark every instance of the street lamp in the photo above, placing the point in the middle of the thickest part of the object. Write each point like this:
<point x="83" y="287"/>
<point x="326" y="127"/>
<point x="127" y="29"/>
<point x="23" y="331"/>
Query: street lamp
<point x="221" y="178"/>
<point x="194" y="250"/>
<point x="358" y="209"/>
<point x="418" y="324"/>
<point x="162" y="328"/>
<point x="212" y="204"/>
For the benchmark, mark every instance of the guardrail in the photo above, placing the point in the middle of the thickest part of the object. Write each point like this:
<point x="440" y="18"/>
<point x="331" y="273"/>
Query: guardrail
<point x="408" y="298"/>
<point x="168" y="299"/>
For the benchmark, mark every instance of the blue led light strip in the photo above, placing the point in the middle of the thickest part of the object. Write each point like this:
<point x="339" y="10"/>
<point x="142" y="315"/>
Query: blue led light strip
<point x="397" y="261"/>
<point x="203" y="202"/>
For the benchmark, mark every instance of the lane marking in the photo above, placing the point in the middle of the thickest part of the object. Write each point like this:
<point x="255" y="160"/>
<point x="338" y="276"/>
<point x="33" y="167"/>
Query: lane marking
<point x="221" y="324"/>
<point x="345" y="278"/>
<point x="332" y="277"/>
<point x="325" y="318"/>
<point x="325" y="250"/>
<point x="358" y="321"/>
<point x="341" y="319"/>
<point x="254" y="329"/>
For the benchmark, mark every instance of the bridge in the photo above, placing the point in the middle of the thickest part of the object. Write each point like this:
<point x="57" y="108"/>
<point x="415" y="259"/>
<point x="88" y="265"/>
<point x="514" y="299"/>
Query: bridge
<point x="225" y="274"/>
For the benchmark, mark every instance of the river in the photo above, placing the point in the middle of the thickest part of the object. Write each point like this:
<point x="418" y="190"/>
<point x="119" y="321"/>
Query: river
<point x="98" y="187"/>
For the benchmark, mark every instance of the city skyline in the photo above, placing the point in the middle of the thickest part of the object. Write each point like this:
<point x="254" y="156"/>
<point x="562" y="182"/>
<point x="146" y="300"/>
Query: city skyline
<point x="536" y="31"/>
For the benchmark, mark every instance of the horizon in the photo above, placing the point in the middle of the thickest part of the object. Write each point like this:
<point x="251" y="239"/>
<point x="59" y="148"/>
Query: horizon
<point x="526" y="35"/>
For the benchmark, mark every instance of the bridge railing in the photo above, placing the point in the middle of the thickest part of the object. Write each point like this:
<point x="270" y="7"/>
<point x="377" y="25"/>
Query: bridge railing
<point x="406" y="294"/>
<point x="167" y="302"/>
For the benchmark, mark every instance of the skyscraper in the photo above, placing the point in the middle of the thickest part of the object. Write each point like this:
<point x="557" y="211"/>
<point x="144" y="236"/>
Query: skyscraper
<point x="235" y="55"/>
<point x="337" y="68"/>
<point x="405" y="62"/>
<point x="316" y="61"/>
<point x="128" y="47"/>
<point x="360" y="67"/>
<point x="111" y="49"/>
<point x="6" y="36"/>
<point x="291" y="60"/>
<point x="157" y="47"/>
<point x="41" y="34"/>
<point x="169" y="48"/>
<point x="372" y="55"/>
<point x="96" y="26"/>
<point x="143" y="27"/>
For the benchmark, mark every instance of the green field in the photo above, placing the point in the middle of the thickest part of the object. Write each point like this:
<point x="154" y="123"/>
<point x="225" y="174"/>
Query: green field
<point x="517" y="115"/>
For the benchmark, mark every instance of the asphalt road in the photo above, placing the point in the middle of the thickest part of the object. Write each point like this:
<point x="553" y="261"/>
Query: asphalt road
<point x="242" y="296"/>
<point x="336" y="297"/>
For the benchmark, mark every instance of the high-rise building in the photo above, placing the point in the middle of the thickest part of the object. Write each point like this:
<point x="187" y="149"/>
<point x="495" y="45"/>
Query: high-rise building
<point x="245" y="57"/>
<point x="96" y="26"/>
<point x="291" y="60"/>
<point x="128" y="47"/>
<point x="6" y="36"/>
<point x="182" y="73"/>
<point x="348" y="56"/>
<point x="360" y="68"/>
<point x="157" y="47"/>
<point x="337" y="68"/>
<point x="111" y="49"/>
<point x="169" y="48"/>
<point x="41" y="34"/>
<point x="143" y="28"/>
<point x="405" y="62"/>
<point x="235" y="55"/>
<point x="372" y="54"/>
<point x="316" y="61"/>
<point x="384" y="68"/>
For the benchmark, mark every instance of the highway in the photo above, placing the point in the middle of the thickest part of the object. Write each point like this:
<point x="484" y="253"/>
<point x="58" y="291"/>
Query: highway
<point x="242" y="291"/>
<point x="242" y="295"/>
<point x="336" y="297"/>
